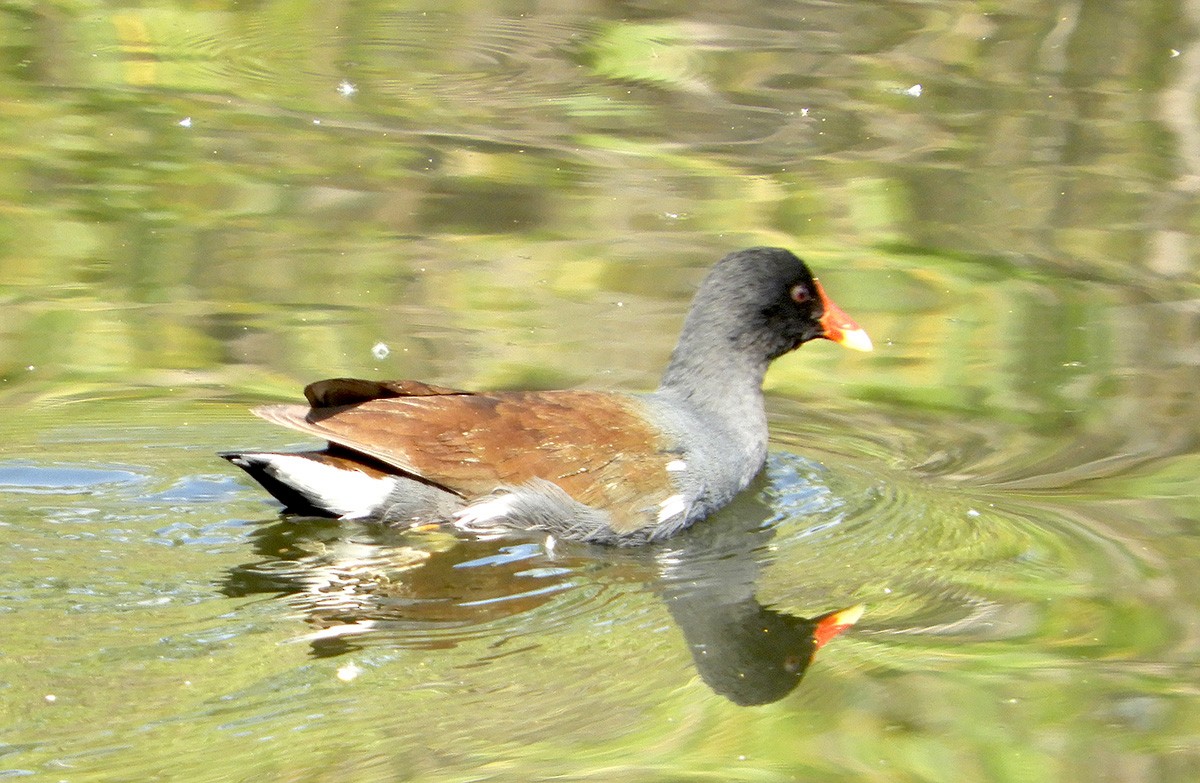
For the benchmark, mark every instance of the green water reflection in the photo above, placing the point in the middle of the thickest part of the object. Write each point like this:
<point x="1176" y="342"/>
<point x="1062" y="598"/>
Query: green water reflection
<point x="203" y="206"/>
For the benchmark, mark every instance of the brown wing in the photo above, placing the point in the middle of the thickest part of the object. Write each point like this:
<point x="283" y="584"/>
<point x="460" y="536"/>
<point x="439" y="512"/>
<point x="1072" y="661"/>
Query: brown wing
<point x="597" y="446"/>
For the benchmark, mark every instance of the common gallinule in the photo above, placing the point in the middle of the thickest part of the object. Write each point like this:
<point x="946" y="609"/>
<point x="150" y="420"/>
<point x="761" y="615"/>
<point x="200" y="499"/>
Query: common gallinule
<point x="604" y="467"/>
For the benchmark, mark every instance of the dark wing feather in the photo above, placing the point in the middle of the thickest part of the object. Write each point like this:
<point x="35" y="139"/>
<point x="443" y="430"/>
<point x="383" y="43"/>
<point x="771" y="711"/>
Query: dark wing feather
<point x="333" y="392"/>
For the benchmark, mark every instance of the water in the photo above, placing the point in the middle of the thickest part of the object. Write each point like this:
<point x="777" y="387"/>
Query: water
<point x="204" y="208"/>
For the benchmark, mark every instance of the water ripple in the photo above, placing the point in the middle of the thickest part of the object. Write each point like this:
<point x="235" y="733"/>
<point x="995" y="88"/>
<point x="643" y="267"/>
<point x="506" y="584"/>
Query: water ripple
<point x="939" y="552"/>
<point x="63" y="479"/>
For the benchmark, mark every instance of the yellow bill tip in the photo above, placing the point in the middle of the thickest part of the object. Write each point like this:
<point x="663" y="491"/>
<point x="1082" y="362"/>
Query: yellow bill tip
<point x="857" y="339"/>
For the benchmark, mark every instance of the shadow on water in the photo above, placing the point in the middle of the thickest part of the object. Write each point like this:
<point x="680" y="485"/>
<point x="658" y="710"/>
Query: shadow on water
<point x="358" y="584"/>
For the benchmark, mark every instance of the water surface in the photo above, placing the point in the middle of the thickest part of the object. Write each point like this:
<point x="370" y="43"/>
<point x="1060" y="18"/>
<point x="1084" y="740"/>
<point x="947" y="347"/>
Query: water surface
<point x="206" y="207"/>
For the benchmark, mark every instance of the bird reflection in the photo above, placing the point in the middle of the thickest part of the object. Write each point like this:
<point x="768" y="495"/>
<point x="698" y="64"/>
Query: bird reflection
<point x="360" y="584"/>
<point x="746" y="652"/>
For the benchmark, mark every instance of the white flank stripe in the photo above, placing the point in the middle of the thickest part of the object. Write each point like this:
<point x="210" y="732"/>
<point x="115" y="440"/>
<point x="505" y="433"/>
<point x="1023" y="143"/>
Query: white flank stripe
<point x="672" y="507"/>
<point x="484" y="512"/>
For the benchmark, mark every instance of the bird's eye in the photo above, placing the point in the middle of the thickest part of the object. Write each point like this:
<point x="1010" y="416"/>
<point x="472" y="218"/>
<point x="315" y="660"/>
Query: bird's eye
<point x="800" y="293"/>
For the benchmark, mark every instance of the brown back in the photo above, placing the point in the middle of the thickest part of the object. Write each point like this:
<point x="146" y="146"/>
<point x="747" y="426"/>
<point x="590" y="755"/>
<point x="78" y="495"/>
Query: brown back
<point x="597" y="446"/>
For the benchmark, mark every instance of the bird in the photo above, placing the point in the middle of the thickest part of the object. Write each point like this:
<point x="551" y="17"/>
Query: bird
<point x="603" y="467"/>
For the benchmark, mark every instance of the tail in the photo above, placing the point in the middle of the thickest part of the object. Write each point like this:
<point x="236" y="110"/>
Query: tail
<point x="317" y="483"/>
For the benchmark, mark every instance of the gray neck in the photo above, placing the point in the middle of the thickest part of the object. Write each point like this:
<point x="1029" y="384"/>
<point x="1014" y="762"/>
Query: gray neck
<point x="724" y="386"/>
<point x="714" y="380"/>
